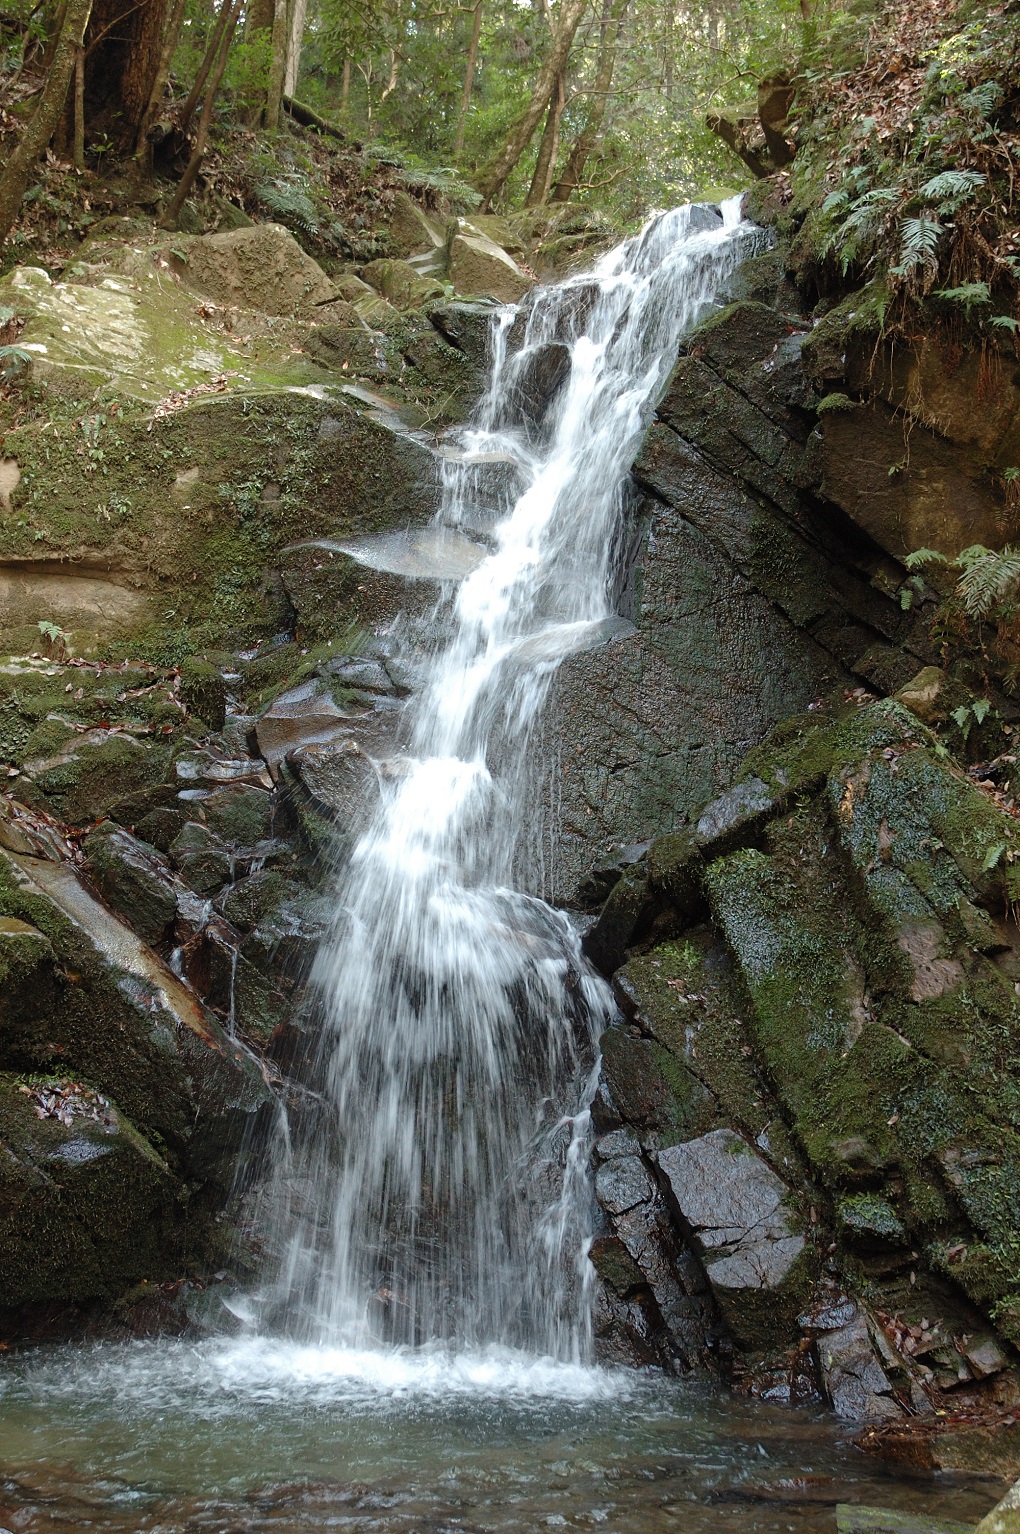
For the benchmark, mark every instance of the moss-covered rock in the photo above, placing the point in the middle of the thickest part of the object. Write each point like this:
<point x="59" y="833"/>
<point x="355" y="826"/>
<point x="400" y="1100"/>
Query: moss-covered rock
<point x="204" y="691"/>
<point x="87" y="1205"/>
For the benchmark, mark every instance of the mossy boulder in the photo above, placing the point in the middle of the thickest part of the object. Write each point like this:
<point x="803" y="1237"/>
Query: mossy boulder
<point x="401" y="284"/>
<point x="111" y="1011"/>
<point x="87" y="1205"/>
<point x="133" y="879"/>
<point x="204" y="691"/>
<point x="90" y="773"/>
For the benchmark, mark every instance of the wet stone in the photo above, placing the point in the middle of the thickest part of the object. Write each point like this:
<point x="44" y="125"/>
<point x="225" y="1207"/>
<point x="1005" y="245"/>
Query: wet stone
<point x="366" y="675"/>
<point x="621" y="1183"/>
<point x="855" y="1382"/>
<point x="134" y="879"/>
<point x="735" y="815"/>
<point x="621" y="1142"/>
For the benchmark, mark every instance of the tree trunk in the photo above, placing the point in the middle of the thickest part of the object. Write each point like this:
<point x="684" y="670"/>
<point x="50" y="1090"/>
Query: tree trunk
<point x="667" y="48"/>
<point x="16" y="174"/>
<point x="79" y="109"/>
<point x="277" y="67"/>
<point x="124" y="48"/>
<point x="298" y="12"/>
<point x="187" y="181"/>
<point x="211" y="53"/>
<point x="494" y="179"/>
<point x="345" y="86"/>
<point x="143" y="148"/>
<point x="469" y="79"/>
<point x="612" y="25"/>
<point x="548" y="148"/>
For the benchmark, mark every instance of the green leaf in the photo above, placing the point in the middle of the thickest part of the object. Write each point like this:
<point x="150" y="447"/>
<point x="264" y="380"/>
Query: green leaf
<point x="992" y="856"/>
<point x="921" y="557"/>
<point x="962" y="717"/>
<point x="952" y="186"/>
<point x="1004" y="322"/>
<point x="979" y="708"/>
<point x="969" y="294"/>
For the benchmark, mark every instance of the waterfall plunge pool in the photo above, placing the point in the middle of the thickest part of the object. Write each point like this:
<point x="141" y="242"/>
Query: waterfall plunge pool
<point x="244" y="1436"/>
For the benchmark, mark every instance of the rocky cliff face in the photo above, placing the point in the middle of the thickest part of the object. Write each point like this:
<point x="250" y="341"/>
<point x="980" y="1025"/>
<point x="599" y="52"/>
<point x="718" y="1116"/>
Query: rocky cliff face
<point x="806" y="1120"/>
<point x="759" y="795"/>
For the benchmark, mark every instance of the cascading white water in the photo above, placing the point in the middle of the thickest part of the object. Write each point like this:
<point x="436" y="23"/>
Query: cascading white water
<point x="443" y="1192"/>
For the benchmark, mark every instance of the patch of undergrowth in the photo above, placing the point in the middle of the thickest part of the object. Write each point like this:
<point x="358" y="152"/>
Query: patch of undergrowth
<point x="908" y="161"/>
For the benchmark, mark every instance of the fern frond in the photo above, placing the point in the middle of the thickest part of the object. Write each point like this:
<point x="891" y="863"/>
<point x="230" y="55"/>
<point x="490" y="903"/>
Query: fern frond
<point x="970" y="293"/>
<point x="920" y="238"/>
<point x="290" y="203"/>
<point x="970" y="555"/>
<point x="988" y="580"/>
<point x="952" y="186"/>
<point x="921" y="557"/>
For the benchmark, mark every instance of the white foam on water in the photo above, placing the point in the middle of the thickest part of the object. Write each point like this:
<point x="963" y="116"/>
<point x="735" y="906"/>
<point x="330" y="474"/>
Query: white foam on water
<point x="221" y="1377"/>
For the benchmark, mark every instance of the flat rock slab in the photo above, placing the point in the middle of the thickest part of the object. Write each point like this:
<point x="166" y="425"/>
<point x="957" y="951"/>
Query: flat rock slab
<point x="142" y="337"/>
<point x="428" y="553"/>
<point x="888" y="1520"/>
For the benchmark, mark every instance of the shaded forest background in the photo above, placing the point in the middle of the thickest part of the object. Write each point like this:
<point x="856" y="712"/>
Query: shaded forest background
<point x="508" y="101"/>
<point x="887" y="129"/>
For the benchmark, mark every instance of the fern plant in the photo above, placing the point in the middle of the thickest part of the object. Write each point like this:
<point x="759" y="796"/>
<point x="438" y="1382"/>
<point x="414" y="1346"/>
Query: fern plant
<point x="950" y="189"/>
<point x="988" y="578"/>
<point x="290" y="203"/>
<point x="919" y="249"/>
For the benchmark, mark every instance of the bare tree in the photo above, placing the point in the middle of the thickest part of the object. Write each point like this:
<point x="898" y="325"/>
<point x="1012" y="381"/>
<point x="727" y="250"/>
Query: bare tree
<point x="277" y="65"/>
<point x="187" y="181"/>
<point x="469" y="78"/>
<point x="143" y="145"/>
<point x="295" y="37"/>
<point x="548" y="148"/>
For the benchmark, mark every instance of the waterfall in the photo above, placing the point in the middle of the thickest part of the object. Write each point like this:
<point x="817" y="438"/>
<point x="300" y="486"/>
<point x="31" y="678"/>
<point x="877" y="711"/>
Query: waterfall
<point x="442" y="1193"/>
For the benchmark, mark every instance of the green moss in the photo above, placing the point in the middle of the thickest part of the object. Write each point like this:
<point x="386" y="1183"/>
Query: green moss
<point x="868" y="1215"/>
<point x="87" y="1210"/>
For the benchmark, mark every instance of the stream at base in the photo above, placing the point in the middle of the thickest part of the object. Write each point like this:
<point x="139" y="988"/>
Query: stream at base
<point x="238" y="1437"/>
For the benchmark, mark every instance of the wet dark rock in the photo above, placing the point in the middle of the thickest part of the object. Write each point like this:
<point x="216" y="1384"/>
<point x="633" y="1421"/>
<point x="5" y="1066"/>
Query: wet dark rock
<point x="468" y="327"/>
<point x="540" y="374"/>
<point x="238" y="813"/>
<point x="202" y="860"/>
<point x="619" y="921"/>
<point x="598" y="884"/>
<point x="91" y="774"/>
<point x="615" y="1266"/>
<point x="735" y="816"/>
<point x="652" y="1090"/>
<point x="356" y="671"/>
<point x="160" y="828"/>
<point x="736" y="1210"/>
<point x="253" y="900"/>
<point x="855" y="1382"/>
<point x="112" y="1019"/>
<point x="621" y="1183"/>
<point x="134" y="879"/>
<point x="87" y="1205"/>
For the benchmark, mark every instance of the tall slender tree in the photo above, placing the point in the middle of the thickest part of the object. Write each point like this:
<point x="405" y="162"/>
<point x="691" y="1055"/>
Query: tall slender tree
<point x="469" y="78"/>
<point x="18" y="171"/>
<point x="568" y="18"/>
<point x="187" y="181"/>
<point x="613" y="14"/>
